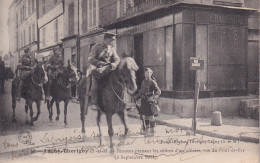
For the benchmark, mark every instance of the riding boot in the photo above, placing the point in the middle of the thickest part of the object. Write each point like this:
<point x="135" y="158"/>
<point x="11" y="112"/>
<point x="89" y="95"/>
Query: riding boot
<point x="147" y="126"/>
<point x="151" y="131"/>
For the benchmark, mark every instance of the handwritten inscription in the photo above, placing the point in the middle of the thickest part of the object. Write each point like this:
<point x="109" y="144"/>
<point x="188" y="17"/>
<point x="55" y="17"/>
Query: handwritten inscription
<point x="9" y="145"/>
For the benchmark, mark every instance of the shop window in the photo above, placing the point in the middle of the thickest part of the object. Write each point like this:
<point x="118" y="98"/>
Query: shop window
<point x="92" y="13"/>
<point x="169" y="58"/>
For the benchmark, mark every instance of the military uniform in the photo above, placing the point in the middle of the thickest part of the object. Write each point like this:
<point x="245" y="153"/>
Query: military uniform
<point x="26" y="66"/>
<point x="149" y="94"/>
<point x="54" y="67"/>
<point x="103" y="58"/>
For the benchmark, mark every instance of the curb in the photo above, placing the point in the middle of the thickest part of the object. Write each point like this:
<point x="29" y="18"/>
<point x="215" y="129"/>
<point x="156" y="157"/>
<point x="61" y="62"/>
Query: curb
<point x="203" y="132"/>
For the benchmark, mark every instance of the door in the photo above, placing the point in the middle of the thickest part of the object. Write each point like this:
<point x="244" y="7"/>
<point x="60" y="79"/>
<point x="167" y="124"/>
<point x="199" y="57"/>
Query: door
<point x="138" y="56"/>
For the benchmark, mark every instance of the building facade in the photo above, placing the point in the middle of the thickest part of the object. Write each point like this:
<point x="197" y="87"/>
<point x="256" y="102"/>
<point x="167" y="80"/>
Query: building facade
<point x="50" y="26"/>
<point x="165" y="34"/>
<point x="22" y="29"/>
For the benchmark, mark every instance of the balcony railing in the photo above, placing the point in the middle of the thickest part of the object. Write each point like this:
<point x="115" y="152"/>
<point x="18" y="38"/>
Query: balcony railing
<point x="123" y="8"/>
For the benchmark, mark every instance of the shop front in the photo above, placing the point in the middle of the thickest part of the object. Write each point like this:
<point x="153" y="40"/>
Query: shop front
<point x="215" y="34"/>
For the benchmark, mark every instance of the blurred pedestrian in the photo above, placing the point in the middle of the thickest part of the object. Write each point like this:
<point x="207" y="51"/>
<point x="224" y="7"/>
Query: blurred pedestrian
<point x="2" y="75"/>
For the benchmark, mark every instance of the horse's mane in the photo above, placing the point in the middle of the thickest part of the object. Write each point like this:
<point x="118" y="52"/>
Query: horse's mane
<point x="129" y="62"/>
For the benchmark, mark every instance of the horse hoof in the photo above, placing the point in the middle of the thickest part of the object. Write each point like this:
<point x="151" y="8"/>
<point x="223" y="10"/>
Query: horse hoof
<point x="112" y="151"/>
<point x="57" y="118"/>
<point x="14" y="120"/>
<point x="35" y="119"/>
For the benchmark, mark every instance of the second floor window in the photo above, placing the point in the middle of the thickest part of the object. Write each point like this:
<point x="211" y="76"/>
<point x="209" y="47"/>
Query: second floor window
<point x="43" y="6"/>
<point x="43" y="37"/>
<point x="92" y="13"/>
<point x="56" y="32"/>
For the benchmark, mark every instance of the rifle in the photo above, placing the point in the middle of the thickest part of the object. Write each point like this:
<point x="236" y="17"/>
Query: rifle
<point x="141" y="117"/>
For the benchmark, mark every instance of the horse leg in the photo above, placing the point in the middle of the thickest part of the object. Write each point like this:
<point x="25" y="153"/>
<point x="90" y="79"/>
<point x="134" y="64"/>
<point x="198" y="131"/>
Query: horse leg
<point x="65" y="112"/>
<point x="123" y="117"/>
<point x="82" y="115"/>
<point x="110" y="132"/>
<point x="51" y="110"/>
<point x="38" y="104"/>
<point x="26" y="107"/>
<point x="13" y="92"/>
<point x="31" y="113"/>
<point x="99" y="129"/>
<point x="58" y="110"/>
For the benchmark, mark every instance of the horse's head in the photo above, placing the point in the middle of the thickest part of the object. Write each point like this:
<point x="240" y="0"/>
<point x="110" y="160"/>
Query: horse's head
<point x="127" y="68"/>
<point x="39" y="73"/>
<point x="72" y="74"/>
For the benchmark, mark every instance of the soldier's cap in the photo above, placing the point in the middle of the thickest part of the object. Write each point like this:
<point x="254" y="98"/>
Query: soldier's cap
<point x="27" y="50"/>
<point x="109" y="35"/>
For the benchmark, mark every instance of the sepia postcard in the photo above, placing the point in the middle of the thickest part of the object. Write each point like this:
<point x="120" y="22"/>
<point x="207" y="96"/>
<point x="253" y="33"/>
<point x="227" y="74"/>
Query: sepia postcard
<point x="129" y="81"/>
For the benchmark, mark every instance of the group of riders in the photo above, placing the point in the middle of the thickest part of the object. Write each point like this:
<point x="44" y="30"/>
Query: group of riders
<point x="103" y="59"/>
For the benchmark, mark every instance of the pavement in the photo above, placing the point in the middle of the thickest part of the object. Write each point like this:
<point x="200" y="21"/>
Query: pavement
<point x="232" y="128"/>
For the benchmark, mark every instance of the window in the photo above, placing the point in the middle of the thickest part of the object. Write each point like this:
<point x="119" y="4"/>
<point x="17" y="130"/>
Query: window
<point x="29" y="7"/>
<point x="21" y="37"/>
<point x="43" y="36"/>
<point x="21" y="15"/>
<point x="30" y="34"/>
<point x="33" y="5"/>
<point x="24" y="12"/>
<point x="33" y="32"/>
<point x="24" y="37"/>
<point x="71" y="19"/>
<point x="17" y="20"/>
<point x="43" y="6"/>
<point x="56" y="32"/>
<point x="92" y="13"/>
<point x="17" y="40"/>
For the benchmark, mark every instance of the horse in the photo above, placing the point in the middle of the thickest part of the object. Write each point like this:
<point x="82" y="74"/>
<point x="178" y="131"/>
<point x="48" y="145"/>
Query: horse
<point x="111" y="96"/>
<point x="32" y="91"/>
<point x="60" y="90"/>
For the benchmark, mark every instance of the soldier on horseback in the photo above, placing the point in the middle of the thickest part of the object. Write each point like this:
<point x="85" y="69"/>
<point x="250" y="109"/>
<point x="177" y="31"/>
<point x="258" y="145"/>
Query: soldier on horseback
<point x="26" y="65"/>
<point x="54" y="67"/>
<point x="103" y="59"/>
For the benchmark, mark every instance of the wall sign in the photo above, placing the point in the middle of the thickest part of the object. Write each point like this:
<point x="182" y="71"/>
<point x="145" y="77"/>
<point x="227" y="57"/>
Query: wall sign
<point x="196" y="64"/>
<point x="227" y="18"/>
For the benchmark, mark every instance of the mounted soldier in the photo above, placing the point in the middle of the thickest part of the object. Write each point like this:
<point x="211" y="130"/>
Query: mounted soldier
<point x="26" y="66"/>
<point x="54" y="67"/>
<point x="103" y="59"/>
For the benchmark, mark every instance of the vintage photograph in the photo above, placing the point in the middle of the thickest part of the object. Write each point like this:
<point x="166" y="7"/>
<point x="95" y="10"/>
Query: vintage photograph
<point x="129" y="81"/>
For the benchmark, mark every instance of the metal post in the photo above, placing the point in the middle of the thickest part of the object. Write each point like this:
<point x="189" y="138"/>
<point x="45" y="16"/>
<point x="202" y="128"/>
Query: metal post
<point x="196" y="96"/>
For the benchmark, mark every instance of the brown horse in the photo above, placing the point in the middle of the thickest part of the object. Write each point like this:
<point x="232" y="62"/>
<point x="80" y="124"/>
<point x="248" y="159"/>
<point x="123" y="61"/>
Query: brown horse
<point x="111" y="95"/>
<point x="31" y="92"/>
<point x="60" y="91"/>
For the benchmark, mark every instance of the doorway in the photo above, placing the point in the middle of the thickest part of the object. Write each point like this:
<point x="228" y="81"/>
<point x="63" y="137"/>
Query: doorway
<point x="138" y="56"/>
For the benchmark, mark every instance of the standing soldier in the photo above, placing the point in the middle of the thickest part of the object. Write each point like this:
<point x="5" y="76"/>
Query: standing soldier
<point x="149" y="94"/>
<point x="2" y="75"/>
<point x="26" y="65"/>
<point x="103" y="59"/>
<point x="54" y="67"/>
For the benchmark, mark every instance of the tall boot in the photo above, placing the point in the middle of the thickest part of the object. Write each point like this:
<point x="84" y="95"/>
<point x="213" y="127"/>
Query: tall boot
<point x="151" y="131"/>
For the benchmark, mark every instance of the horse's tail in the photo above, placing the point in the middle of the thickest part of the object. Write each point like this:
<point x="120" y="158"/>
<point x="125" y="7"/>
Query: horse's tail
<point x="15" y="83"/>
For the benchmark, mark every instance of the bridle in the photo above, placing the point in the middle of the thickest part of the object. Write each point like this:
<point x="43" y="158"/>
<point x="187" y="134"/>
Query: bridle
<point x="33" y="76"/>
<point x="67" y="76"/>
<point x="122" y="86"/>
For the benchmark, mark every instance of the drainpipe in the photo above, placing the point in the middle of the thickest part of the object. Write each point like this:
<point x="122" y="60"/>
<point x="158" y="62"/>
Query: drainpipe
<point x="78" y="43"/>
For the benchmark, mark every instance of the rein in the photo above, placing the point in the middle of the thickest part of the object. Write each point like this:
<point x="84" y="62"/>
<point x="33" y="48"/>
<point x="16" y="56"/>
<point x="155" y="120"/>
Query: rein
<point x="32" y="78"/>
<point x="111" y="85"/>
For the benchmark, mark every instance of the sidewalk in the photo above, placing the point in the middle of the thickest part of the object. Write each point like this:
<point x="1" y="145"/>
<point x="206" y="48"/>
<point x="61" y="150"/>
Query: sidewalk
<point x="233" y="128"/>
